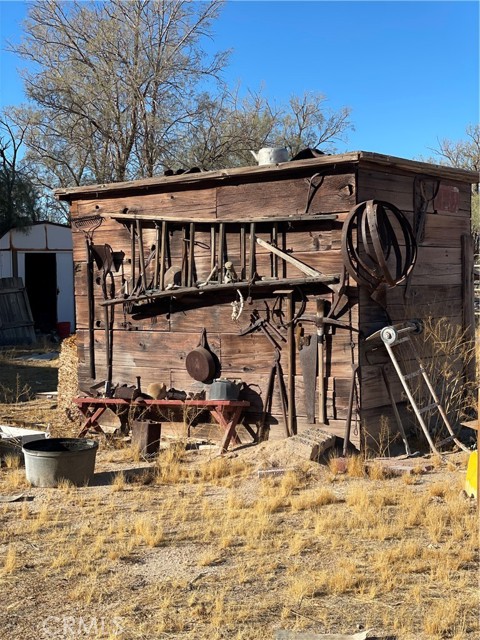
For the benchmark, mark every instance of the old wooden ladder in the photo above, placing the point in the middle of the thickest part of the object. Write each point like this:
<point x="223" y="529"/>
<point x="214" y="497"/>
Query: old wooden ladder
<point x="392" y="336"/>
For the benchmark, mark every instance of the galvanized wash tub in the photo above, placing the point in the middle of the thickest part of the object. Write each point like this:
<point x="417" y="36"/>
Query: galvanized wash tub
<point x="48" y="462"/>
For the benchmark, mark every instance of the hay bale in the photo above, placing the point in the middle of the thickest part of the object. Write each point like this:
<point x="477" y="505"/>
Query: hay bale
<point x="68" y="417"/>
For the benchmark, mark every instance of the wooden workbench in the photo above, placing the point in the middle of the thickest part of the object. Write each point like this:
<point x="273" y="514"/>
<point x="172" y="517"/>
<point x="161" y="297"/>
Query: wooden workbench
<point x="225" y="412"/>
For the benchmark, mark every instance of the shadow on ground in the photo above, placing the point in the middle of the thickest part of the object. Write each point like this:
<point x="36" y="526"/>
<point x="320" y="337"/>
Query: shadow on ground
<point x="104" y="478"/>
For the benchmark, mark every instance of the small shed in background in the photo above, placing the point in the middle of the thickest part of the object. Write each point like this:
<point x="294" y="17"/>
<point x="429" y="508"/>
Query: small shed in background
<point x="41" y="255"/>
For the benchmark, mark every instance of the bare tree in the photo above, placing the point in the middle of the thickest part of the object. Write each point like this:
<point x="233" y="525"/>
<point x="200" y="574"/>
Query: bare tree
<point x="307" y="123"/>
<point x="19" y="200"/>
<point x="223" y="130"/>
<point x="227" y="127"/>
<point x="124" y="89"/>
<point x="115" y="80"/>
<point x="464" y="154"/>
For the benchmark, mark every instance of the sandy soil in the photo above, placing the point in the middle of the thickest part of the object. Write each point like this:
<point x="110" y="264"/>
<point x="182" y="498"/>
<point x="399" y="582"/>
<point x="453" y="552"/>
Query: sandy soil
<point x="194" y="546"/>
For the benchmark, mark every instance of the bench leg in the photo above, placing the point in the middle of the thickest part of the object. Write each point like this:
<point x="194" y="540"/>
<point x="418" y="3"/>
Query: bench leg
<point x="229" y="425"/>
<point x="91" y="421"/>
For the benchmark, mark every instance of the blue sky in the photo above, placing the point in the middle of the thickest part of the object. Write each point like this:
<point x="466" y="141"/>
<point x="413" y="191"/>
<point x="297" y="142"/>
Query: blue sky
<point x="408" y="70"/>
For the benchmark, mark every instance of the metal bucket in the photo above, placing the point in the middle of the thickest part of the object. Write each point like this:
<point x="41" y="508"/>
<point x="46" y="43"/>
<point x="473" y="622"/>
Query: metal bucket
<point x="48" y="462"/>
<point x="223" y="389"/>
<point x="63" y="329"/>
<point x="146" y="436"/>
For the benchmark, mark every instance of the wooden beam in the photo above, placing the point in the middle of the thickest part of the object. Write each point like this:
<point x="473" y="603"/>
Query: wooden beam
<point x="138" y="215"/>
<point x="260" y="285"/>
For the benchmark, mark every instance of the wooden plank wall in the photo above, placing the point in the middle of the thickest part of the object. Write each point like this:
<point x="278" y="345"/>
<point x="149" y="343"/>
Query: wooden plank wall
<point x="154" y="344"/>
<point x="435" y="289"/>
<point x="16" y="321"/>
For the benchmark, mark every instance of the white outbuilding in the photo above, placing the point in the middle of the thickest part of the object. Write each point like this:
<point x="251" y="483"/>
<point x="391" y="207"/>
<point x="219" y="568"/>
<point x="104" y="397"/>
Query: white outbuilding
<point x="41" y="255"/>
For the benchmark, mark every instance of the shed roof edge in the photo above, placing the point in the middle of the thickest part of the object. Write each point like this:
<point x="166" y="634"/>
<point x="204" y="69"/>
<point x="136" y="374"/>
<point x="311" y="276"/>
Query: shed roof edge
<point x="359" y="157"/>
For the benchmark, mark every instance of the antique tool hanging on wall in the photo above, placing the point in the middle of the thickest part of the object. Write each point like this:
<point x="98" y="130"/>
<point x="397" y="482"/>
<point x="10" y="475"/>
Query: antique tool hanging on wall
<point x="200" y="362"/>
<point x="351" y="398"/>
<point x="314" y="183"/>
<point x="158" y="240"/>
<point x="105" y="260"/>
<point x="311" y="356"/>
<point x="141" y="255"/>
<point x="308" y="355"/>
<point x="378" y="245"/>
<point x="265" y="326"/>
<point x="291" y="427"/>
<point x="163" y="257"/>
<point x="425" y="191"/>
<point x="276" y="370"/>
<point x="340" y="299"/>
<point x="312" y="359"/>
<point x="88" y="224"/>
<point x="321" y="368"/>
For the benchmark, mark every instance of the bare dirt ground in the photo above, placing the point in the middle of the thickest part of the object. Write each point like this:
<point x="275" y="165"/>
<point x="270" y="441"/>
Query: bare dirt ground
<point x="192" y="545"/>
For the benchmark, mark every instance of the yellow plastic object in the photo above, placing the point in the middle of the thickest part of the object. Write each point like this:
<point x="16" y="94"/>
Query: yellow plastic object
<point x="471" y="481"/>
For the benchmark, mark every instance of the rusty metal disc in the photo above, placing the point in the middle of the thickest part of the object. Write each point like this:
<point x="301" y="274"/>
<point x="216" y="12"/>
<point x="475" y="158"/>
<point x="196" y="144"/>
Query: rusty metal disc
<point x="200" y="364"/>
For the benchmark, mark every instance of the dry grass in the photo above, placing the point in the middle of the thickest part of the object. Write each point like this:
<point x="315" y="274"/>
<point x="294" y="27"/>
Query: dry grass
<point x="446" y="353"/>
<point x="194" y="547"/>
<point x="242" y="555"/>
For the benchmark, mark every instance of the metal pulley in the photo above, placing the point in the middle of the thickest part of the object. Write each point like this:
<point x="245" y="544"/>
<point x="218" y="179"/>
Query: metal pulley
<point x="391" y="335"/>
<point x="378" y="245"/>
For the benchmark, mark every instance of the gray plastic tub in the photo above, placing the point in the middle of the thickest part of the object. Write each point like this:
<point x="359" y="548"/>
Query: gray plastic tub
<point x="48" y="462"/>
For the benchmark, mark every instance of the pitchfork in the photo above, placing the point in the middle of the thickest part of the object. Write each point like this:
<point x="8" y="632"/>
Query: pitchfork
<point x="88" y="224"/>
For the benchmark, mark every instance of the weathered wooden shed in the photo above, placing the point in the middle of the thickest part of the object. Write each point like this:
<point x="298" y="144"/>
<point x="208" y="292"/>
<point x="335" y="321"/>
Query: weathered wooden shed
<point x="263" y="250"/>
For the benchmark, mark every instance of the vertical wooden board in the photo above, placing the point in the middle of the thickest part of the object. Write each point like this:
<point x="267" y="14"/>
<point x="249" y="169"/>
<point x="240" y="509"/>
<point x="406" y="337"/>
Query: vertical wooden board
<point x="468" y="316"/>
<point x="373" y="390"/>
<point x="379" y="431"/>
